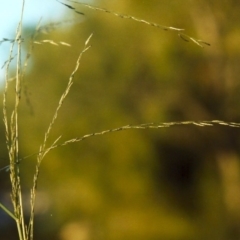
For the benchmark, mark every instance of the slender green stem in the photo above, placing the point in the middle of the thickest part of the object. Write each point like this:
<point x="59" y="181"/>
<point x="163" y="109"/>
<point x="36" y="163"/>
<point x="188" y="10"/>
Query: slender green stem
<point x="8" y="212"/>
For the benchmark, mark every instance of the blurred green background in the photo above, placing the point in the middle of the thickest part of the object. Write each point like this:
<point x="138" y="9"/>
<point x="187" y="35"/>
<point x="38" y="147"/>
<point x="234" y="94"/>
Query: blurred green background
<point x="176" y="183"/>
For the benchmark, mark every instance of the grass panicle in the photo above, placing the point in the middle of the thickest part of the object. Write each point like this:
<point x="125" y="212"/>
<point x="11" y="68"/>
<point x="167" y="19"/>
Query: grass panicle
<point x="179" y="31"/>
<point x="43" y="151"/>
<point x="11" y="132"/>
<point x="211" y="123"/>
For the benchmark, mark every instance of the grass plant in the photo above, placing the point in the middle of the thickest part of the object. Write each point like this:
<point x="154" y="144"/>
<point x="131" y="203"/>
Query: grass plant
<point x="11" y="116"/>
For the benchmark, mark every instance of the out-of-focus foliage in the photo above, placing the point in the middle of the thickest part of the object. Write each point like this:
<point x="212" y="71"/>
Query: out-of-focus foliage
<point x="175" y="183"/>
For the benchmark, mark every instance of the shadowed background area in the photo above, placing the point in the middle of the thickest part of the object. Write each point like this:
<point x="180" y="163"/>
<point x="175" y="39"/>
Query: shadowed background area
<point x="175" y="183"/>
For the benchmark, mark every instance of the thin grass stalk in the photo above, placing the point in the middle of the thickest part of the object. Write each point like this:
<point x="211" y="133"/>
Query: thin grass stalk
<point x="8" y="212"/>
<point x="12" y="135"/>
<point x="179" y="31"/>
<point x="5" y="115"/>
<point x="210" y="123"/>
<point x="43" y="151"/>
<point x="64" y="95"/>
